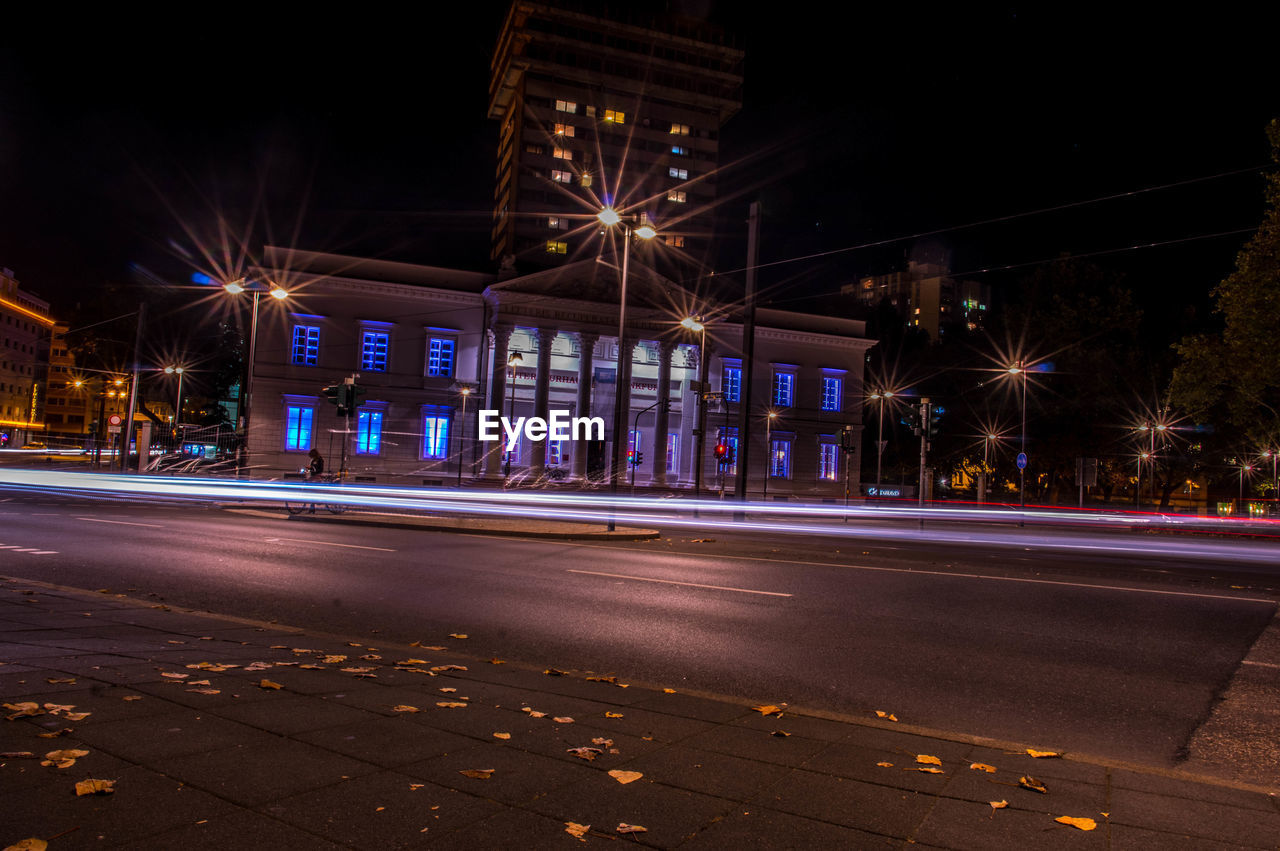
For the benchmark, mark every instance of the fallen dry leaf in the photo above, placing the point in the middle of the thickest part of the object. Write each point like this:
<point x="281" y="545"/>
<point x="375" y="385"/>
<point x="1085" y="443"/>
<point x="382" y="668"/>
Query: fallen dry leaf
<point x="555" y="672"/>
<point x="61" y="681"/>
<point x="24" y="709"/>
<point x="1028" y="782"/>
<point x="1043" y="754"/>
<point x="371" y="657"/>
<point x="885" y="764"/>
<point x="668" y="691"/>
<point x="449" y="668"/>
<point x="562" y="719"/>
<point x="576" y="830"/>
<point x="56" y="733"/>
<point x="457" y="635"/>
<point x="769" y="709"/>
<point x="496" y="661"/>
<point x="131" y="697"/>
<point x="625" y="777"/>
<point x="171" y="676"/>
<point x="32" y="844"/>
<point x="268" y="684"/>
<point x="1082" y="823"/>
<point x="63" y="758"/>
<point x="95" y="787"/>
<point x="448" y="690"/>
<point x="55" y="708"/>
<point x="782" y="734"/>
<point x="363" y="670"/>
<point x="412" y="662"/>
<point x="703" y="541"/>
<point x="533" y="713"/>
<point x="75" y="716"/>
<point x="451" y="704"/>
<point x="585" y="753"/>
<point x="503" y="736"/>
<point x="477" y="773"/>
<point x="402" y="707"/>
<point x="197" y="683"/>
<point x="982" y="766"/>
<point x="888" y="715"/>
<point x="613" y="715"/>
<point x="997" y="805"/>
<point x="925" y="759"/>
<point x="623" y="827"/>
<point x="204" y="691"/>
<point x="17" y="755"/>
<point x="334" y="659"/>
<point x="436" y="647"/>
<point x="602" y="742"/>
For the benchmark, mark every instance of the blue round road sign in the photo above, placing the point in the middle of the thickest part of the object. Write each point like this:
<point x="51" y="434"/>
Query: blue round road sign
<point x="1022" y="460"/>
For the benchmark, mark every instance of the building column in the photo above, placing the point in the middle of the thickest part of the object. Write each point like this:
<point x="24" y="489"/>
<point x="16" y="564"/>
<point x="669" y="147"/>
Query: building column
<point x="586" y="349"/>
<point x="626" y="355"/>
<point x="542" y="397"/>
<point x="663" y="416"/>
<point x="497" y="394"/>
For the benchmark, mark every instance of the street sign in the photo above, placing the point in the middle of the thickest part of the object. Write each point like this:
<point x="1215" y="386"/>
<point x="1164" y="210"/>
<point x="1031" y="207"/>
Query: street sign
<point x="115" y="420"/>
<point x="1022" y="460"/>
<point x="113" y="429"/>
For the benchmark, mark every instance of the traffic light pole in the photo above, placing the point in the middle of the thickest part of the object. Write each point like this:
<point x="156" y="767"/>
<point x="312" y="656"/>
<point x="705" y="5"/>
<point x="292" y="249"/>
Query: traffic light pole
<point x="639" y="456"/>
<point x="924" y="446"/>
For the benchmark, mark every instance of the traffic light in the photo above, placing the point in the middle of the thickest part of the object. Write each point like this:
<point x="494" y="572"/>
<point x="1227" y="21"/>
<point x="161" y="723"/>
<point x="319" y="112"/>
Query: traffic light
<point x="935" y="420"/>
<point x="848" y="439"/>
<point x="912" y="419"/>
<point x="631" y="457"/>
<point x="639" y="458"/>
<point x="722" y="453"/>
<point x="337" y="395"/>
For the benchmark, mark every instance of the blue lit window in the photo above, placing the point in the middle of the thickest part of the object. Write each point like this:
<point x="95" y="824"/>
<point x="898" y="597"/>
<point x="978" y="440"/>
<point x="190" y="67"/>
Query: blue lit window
<point x="369" y="433"/>
<point x="680" y="150"/>
<point x="780" y="459"/>
<point x="297" y="427"/>
<point x="784" y="385"/>
<point x="513" y="457"/>
<point x="673" y="451"/>
<point x="373" y="351"/>
<point x="731" y="385"/>
<point x="831" y="393"/>
<point x="555" y="452"/>
<point x="729" y="436"/>
<point x="306" y="345"/>
<point x="435" y="436"/>
<point x="828" y="461"/>
<point x="440" y="357"/>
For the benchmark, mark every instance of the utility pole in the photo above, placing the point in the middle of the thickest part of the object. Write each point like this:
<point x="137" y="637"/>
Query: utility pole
<point x="133" y="394"/>
<point x="748" y="353"/>
<point x="924" y="445"/>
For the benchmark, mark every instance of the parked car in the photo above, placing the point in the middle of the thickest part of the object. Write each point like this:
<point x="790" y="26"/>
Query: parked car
<point x="34" y="446"/>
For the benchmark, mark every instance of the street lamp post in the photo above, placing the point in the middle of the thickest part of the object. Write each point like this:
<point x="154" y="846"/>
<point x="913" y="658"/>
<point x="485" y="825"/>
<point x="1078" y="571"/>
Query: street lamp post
<point x="695" y="323"/>
<point x="610" y="217"/>
<point x="986" y="463"/>
<point x="462" y="428"/>
<point x="880" y="397"/>
<point x="1275" y="481"/>
<point x="512" y="362"/>
<point x="177" y="408"/>
<point x="279" y="293"/>
<point x="1020" y="368"/>
<point x="768" y="449"/>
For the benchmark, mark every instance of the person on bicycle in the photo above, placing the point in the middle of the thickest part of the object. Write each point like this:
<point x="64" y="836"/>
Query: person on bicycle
<point x="316" y="467"/>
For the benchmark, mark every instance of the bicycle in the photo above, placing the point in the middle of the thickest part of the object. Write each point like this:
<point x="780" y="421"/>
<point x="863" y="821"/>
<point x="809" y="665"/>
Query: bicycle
<point x="310" y="507"/>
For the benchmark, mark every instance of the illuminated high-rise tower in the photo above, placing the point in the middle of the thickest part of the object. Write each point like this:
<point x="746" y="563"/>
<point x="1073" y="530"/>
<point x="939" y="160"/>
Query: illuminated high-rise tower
<point x="624" y="110"/>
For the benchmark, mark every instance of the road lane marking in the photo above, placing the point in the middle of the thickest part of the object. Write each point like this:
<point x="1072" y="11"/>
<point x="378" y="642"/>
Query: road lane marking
<point x="688" y="584"/>
<point x="958" y="575"/>
<point x="1261" y="664"/>
<point x="121" y="522"/>
<point x="327" y="544"/>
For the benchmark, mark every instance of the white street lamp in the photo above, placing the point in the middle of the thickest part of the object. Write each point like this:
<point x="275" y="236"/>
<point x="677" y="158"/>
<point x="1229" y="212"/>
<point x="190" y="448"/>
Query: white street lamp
<point x="177" y="408"/>
<point x="277" y="292"/>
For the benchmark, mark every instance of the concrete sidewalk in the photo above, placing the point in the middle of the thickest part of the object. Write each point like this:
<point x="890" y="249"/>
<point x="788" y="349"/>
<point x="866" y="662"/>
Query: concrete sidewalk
<point x="225" y="733"/>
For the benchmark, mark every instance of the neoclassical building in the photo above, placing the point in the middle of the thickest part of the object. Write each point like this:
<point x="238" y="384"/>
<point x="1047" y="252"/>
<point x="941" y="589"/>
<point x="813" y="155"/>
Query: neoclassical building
<point x="432" y="347"/>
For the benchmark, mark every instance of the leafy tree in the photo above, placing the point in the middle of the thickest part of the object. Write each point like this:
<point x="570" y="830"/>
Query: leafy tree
<point x="1233" y="378"/>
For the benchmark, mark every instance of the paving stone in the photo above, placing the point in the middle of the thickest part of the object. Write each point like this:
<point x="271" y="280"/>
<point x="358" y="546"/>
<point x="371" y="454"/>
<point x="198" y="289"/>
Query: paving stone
<point x="241" y="829"/>
<point x="348" y="812"/>
<point x="858" y="763"/>
<point x="711" y="773"/>
<point x="688" y="706"/>
<point x="865" y="806"/>
<point x="756" y="745"/>
<point x="1124" y="838"/>
<point x="155" y="738"/>
<point x="1190" y="817"/>
<point x="972" y="825"/>
<point x="798" y="725"/>
<point x="252" y="775"/>
<point x="1178" y="788"/>
<point x="1064" y="795"/>
<point x="671" y="815"/>
<point x="764" y="829"/>
<point x="643" y="722"/>
<point x="519" y="776"/>
<point x="144" y="803"/>
<point x="291" y="714"/>
<point x="504" y="829"/>
<point x="388" y="742"/>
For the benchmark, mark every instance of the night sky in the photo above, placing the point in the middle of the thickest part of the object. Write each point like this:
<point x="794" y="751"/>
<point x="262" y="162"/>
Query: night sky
<point x="876" y="126"/>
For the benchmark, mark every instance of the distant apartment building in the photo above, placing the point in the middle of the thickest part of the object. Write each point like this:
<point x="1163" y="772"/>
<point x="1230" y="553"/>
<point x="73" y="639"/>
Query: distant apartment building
<point x="25" y="330"/>
<point x="598" y="111"/>
<point x="927" y="297"/>
<point x="68" y="409"/>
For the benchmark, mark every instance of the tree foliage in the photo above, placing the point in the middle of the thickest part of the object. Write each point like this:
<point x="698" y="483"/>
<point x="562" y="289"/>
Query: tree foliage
<point x="1234" y="377"/>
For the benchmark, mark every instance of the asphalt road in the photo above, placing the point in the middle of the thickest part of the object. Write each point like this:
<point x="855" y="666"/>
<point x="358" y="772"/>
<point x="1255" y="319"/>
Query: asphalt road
<point x="1113" y="657"/>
